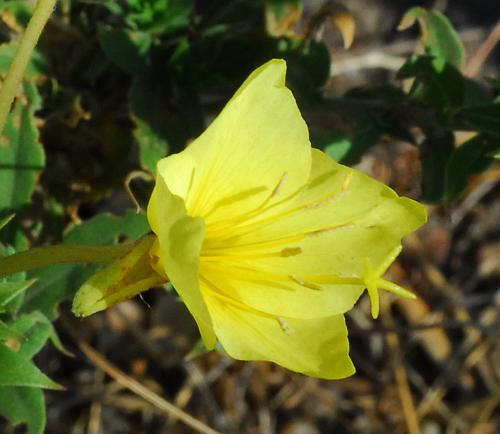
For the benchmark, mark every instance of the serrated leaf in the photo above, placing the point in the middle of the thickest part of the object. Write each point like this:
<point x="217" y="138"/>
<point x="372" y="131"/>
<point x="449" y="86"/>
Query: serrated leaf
<point x="60" y="282"/>
<point x="21" y="154"/>
<point x="18" y="371"/>
<point x="438" y="35"/>
<point x="24" y="405"/>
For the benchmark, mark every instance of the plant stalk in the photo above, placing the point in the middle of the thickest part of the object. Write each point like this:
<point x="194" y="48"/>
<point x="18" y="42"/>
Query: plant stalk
<point x="59" y="254"/>
<point x="41" y="14"/>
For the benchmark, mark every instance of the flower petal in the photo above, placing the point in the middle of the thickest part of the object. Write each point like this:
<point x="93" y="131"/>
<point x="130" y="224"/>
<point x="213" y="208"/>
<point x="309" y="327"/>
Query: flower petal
<point x="256" y="150"/>
<point x="307" y="257"/>
<point x="316" y="347"/>
<point x="178" y="250"/>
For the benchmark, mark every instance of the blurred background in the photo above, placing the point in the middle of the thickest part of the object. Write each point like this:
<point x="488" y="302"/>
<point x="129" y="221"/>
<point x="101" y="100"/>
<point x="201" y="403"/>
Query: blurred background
<point x="116" y="85"/>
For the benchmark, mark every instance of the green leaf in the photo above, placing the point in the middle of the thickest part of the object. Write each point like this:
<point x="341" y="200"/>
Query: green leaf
<point x="436" y="151"/>
<point x="159" y="16"/>
<point x="10" y="290"/>
<point x="484" y="118"/>
<point x="21" y="154"/>
<point x="127" y="49"/>
<point x="21" y="10"/>
<point x="7" y="332"/>
<point x="18" y="371"/>
<point x="348" y="149"/>
<point x="151" y="146"/>
<point x="60" y="282"/>
<point x="35" y="329"/>
<point x="438" y="35"/>
<point x="437" y="82"/>
<point x="466" y="160"/>
<point x="13" y="287"/>
<point x="24" y="405"/>
<point x="280" y="6"/>
<point x="336" y="145"/>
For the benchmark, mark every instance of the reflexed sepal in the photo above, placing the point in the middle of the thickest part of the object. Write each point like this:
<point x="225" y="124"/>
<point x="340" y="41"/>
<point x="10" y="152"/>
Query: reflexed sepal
<point x="126" y="277"/>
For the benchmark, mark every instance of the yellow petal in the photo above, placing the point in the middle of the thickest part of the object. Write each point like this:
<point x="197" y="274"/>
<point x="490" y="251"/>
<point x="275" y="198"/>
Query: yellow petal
<point x="316" y="347"/>
<point x="306" y="258"/>
<point x="256" y="151"/>
<point x="178" y="249"/>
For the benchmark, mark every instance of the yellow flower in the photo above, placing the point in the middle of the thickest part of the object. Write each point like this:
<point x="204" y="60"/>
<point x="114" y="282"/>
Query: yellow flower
<point x="268" y="241"/>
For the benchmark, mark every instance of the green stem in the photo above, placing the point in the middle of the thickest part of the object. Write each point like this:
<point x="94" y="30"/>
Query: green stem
<point x="59" y="254"/>
<point x="41" y="14"/>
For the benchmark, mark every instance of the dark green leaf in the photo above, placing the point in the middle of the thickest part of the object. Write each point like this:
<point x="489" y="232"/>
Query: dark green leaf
<point x="24" y="405"/>
<point x="160" y="128"/>
<point x="483" y="118"/>
<point x="127" y="49"/>
<point x="437" y="82"/>
<point x="467" y="159"/>
<point x="348" y="149"/>
<point x="436" y="151"/>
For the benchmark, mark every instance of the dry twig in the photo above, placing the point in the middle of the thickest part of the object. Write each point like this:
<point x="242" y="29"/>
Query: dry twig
<point x="119" y="376"/>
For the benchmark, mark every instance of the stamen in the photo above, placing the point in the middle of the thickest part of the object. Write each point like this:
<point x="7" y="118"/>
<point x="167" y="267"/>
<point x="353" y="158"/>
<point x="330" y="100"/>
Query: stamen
<point x="284" y="326"/>
<point x="326" y="231"/>
<point x="347" y="180"/>
<point x="305" y="284"/>
<point x="191" y="182"/>
<point x="279" y="187"/>
<point x="335" y="196"/>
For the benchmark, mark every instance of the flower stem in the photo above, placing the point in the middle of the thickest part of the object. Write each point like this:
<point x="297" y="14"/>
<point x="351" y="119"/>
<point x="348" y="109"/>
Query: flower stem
<point x="59" y="254"/>
<point x="41" y="14"/>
